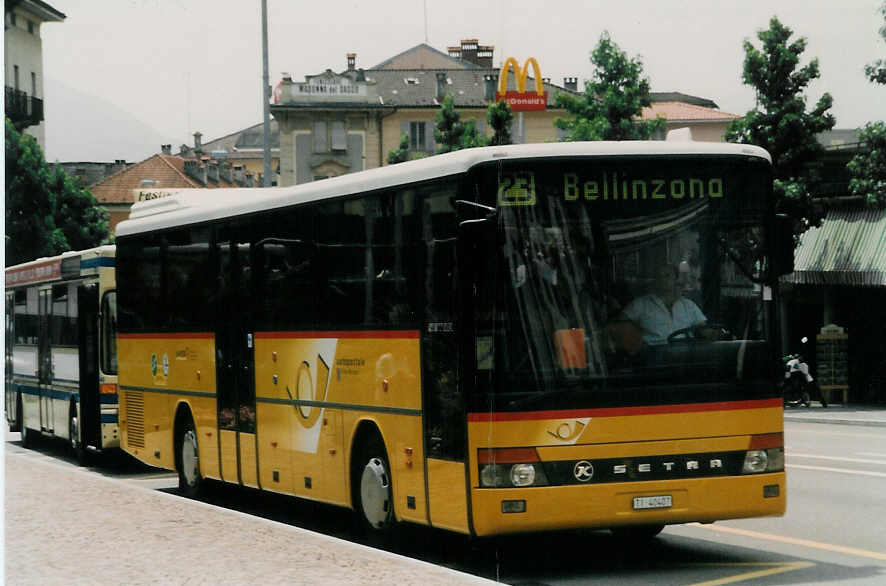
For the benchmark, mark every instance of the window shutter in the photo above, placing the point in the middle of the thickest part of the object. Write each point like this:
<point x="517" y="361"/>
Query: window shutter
<point x="339" y="138"/>
<point x="430" y="143"/>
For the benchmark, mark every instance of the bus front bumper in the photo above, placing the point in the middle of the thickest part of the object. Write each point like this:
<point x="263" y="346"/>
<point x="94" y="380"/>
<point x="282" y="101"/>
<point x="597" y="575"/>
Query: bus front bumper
<point x="513" y="510"/>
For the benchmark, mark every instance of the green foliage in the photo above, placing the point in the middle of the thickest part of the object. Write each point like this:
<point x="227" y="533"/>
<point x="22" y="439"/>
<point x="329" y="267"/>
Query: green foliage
<point x="451" y="133"/>
<point x="401" y="153"/>
<point x="613" y="99"/>
<point x="876" y="71"/>
<point x="780" y="123"/>
<point x="868" y="168"/>
<point x="472" y="137"/>
<point x="46" y="213"/>
<point x="449" y="129"/>
<point x="500" y="117"/>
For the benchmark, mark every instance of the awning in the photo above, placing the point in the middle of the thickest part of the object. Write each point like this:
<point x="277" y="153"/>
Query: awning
<point x="849" y="248"/>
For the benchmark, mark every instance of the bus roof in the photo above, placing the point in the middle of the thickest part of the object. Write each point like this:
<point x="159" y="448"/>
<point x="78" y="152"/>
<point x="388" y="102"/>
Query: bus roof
<point x="190" y="206"/>
<point x="55" y="268"/>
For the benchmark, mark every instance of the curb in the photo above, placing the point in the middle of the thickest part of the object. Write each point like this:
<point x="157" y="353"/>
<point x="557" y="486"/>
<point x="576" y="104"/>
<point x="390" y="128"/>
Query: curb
<point x="825" y="419"/>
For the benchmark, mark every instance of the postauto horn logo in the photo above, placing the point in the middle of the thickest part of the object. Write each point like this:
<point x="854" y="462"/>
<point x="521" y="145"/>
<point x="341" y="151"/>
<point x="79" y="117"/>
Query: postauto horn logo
<point x="521" y="99"/>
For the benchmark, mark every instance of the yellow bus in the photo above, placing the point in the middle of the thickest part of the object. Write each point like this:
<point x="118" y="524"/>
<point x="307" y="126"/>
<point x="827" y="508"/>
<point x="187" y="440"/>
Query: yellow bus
<point x="464" y="341"/>
<point x="61" y="355"/>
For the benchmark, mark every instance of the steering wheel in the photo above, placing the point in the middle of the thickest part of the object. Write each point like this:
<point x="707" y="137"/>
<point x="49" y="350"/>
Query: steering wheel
<point x="684" y="333"/>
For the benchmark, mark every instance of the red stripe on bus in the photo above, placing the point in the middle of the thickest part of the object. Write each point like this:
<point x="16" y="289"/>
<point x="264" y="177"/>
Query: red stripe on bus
<point x="174" y="335"/>
<point x="624" y="411"/>
<point x="360" y="334"/>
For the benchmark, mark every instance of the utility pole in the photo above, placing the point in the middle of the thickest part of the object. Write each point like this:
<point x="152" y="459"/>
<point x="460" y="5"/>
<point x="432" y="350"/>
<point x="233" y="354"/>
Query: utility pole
<point x="266" y="94"/>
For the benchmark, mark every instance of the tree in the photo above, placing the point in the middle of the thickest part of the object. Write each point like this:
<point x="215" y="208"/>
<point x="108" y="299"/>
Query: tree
<point x="451" y="133"/>
<point x="46" y="213"/>
<point x="868" y="168"/>
<point x="472" y="137"/>
<point x="499" y="116"/>
<point x="613" y="100"/>
<point x="401" y="153"/>
<point x="876" y="71"/>
<point x="780" y="123"/>
<point x="449" y="130"/>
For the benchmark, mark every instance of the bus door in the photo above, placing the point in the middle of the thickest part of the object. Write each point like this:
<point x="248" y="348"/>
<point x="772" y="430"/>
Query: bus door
<point x="44" y="359"/>
<point x="90" y="405"/>
<point x="234" y="345"/>
<point x="10" y="341"/>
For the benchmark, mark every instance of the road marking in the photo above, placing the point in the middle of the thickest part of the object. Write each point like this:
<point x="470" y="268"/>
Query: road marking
<point x="874" y="454"/>
<point x="875" y="555"/>
<point x="780" y="568"/>
<point x="838" y="458"/>
<point x="840" y="470"/>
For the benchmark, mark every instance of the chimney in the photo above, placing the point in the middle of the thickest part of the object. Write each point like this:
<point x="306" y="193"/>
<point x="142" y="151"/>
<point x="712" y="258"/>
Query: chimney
<point x="491" y="84"/>
<point x="455" y="52"/>
<point x="484" y="55"/>
<point x="469" y="50"/>
<point x="198" y="142"/>
<point x="570" y="83"/>
<point x="166" y="149"/>
<point x="225" y="172"/>
<point x="212" y="171"/>
<point x="441" y="86"/>
<point x="352" y="61"/>
<point x="239" y="176"/>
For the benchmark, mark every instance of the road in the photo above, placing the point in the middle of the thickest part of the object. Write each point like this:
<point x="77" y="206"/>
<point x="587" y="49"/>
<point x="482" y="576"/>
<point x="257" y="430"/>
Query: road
<point x="832" y="533"/>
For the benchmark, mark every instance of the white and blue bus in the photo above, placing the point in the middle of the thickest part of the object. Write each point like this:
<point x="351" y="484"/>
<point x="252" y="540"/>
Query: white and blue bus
<point x="61" y="349"/>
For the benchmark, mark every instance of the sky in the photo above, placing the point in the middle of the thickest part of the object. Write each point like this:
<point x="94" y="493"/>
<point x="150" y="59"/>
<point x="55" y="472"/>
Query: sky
<point x="136" y="73"/>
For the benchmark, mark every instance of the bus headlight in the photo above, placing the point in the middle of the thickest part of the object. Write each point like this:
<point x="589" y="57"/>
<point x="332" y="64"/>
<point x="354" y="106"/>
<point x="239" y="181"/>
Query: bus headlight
<point x="522" y="474"/>
<point x="510" y="468"/>
<point x="765" y="454"/>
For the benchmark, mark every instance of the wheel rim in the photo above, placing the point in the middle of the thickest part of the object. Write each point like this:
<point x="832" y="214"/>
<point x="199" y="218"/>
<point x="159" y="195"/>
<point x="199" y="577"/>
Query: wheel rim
<point x="190" y="459"/>
<point x="375" y="492"/>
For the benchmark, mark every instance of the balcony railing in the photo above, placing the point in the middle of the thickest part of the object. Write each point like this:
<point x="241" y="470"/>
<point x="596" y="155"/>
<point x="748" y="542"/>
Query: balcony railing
<point x="23" y="110"/>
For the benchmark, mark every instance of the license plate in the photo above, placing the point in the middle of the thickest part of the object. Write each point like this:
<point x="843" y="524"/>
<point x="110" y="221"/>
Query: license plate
<point x="663" y="501"/>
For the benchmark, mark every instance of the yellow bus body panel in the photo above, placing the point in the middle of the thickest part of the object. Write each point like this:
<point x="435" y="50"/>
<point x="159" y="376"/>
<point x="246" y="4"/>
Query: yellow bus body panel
<point x="625" y="433"/>
<point x="160" y="372"/>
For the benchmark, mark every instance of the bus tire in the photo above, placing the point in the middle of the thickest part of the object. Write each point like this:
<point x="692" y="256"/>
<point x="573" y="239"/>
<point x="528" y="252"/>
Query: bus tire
<point x="187" y="460"/>
<point x="78" y="450"/>
<point x="374" y="496"/>
<point x="16" y="425"/>
<point x="28" y="437"/>
<point x="636" y="533"/>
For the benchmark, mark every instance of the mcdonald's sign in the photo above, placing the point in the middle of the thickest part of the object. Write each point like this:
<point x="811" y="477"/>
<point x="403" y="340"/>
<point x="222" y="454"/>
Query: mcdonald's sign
<point x="521" y="99"/>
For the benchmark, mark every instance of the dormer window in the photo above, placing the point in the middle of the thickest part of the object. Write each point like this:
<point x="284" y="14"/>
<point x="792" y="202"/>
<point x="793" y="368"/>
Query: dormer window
<point x="410" y="81"/>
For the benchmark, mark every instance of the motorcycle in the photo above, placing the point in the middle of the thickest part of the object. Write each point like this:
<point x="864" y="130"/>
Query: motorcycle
<point x="798" y="385"/>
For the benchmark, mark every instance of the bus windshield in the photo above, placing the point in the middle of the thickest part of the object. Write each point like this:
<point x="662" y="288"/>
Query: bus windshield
<point x="624" y="282"/>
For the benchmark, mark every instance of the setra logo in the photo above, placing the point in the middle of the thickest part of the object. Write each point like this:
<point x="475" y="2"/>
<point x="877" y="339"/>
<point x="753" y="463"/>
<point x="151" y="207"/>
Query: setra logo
<point x="583" y="471"/>
<point x="521" y="99"/>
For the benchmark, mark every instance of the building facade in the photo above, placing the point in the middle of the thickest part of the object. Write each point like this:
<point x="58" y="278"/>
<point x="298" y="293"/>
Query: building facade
<point x="23" y="63"/>
<point x="335" y="123"/>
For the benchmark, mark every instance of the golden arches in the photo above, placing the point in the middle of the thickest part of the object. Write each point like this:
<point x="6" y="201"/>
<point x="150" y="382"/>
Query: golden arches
<point x="520" y="74"/>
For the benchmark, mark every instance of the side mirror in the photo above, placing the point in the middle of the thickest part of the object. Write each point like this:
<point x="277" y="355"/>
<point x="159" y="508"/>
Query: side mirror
<point x="783" y="245"/>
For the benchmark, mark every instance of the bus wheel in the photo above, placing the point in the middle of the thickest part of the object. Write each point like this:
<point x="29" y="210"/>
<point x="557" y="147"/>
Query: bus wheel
<point x="376" y="502"/>
<point x="188" y="460"/>
<point x="27" y="437"/>
<point x="16" y="425"/>
<point x="78" y="450"/>
<point x="637" y="533"/>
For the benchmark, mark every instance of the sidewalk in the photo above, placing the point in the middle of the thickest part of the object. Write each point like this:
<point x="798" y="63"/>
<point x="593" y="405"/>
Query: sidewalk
<point x="869" y="415"/>
<point x="66" y="525"/>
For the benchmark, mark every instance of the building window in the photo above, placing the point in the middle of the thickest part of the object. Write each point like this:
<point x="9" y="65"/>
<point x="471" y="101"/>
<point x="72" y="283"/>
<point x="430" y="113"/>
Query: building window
<point x="15" y="75"/>
<point x="417" y="136"/>
<point x="33" y="84"/>
<point x="31" y="27"/>
<point x="321" y="142"/>
<point x="12" y="19"/>
<point x="339" y="137"/>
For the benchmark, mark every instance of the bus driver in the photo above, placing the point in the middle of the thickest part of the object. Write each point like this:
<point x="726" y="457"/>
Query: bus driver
<point x="664" y="311"/>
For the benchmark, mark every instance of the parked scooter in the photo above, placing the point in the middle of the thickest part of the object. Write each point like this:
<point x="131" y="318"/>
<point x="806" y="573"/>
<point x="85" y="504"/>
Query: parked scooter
<point x="798" y="386"/>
